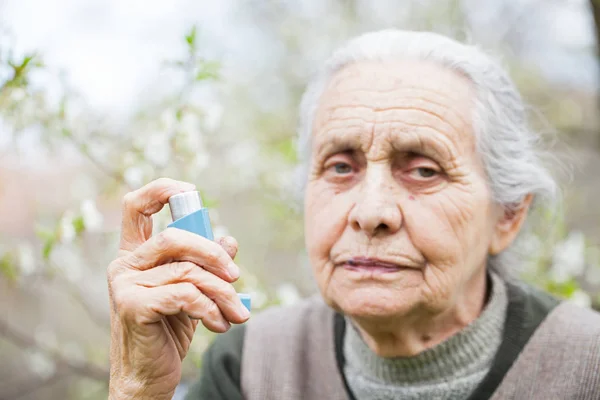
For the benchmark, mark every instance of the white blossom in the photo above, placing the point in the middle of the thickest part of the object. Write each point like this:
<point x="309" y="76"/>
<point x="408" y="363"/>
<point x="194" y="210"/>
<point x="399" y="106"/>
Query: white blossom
<point x="581" y="298"/>
<point x="531" y="245"/>
<point x="213" y="116"/>
<point x="190" y="124"/>
<point x="134" y="176"/>
<point x="42" y="365"/>
<point x="201" y="160"/>
<point x="287" y="294"/>
<point x="92" y="218"/>
<point x="157" y="149"/>
<point x="259" y="299"/>
<point x="243" y="156"/>
<point x="17" y="94"/>
<point x="67" y="230"/>
<point x="129" y="158"/>
<point x="26" y="257"/>
<point x="568" y="258"/>
<point x="168" y="120"/>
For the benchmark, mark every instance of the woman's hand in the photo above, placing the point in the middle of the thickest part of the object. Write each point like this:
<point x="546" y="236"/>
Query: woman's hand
<point x="159" y="288"/>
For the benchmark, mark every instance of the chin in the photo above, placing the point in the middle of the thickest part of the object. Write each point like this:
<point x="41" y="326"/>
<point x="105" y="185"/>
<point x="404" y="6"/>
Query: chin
<point x="375" y="302"/>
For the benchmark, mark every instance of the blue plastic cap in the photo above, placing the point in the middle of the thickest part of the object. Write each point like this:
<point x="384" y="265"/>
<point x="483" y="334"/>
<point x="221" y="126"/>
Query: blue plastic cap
<point x="246" y="300"/>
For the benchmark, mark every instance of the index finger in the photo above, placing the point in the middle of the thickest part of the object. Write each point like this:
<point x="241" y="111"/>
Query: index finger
<point x="140" y="205"/>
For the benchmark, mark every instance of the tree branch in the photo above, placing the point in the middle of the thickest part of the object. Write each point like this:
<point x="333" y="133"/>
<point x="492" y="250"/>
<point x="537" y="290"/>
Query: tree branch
<point x="99" y="164"/>
<point x="30" y="387"/>
<point x="595" y="6"/>
<point x="24" y="341"/>
<point x="100" y="319"/>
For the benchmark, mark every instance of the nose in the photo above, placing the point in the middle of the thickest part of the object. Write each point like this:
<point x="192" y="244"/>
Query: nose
<point x="376" y="211"/>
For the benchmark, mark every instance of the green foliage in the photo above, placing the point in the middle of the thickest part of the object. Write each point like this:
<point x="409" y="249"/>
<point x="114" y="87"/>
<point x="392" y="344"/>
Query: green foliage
<point x="8" y="268"/>
<point x="286" y="147"/>
<point x="21" y="70"/>
<point x="48" y="238"/>
<point x="208" y="70"/>
<point x="562" y="289"/>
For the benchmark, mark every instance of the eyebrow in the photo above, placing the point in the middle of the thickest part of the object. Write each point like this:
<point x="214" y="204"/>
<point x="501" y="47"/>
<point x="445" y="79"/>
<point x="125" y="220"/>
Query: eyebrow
<point x="336" y="139"/>
<point x="422" y="139"/>
<point x="410" y="138"/>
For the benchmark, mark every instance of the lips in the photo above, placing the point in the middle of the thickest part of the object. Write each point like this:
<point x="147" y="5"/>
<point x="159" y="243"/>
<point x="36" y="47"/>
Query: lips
<point x="371" y="264"/>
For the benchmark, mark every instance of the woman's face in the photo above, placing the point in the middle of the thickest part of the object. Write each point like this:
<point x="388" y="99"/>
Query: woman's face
<point x="398" y="214"/>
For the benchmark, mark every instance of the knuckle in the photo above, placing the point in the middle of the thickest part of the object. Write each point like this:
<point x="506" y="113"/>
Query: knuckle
<point x="227" y="291"/>
<point x="166" y="238"/>
<point x="211" y="310"/>
<point x="182" y="270"/>
<point x="113" y="270"/>
<point x="163" y="181"/>
<point x="187" y="291"/>
<point x="215" y="255"/>
<point x="128" y="200"/>
<point x="125" y="302"/>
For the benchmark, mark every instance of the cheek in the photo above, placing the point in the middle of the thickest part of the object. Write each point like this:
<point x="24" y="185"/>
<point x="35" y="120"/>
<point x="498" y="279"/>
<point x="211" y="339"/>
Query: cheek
<point x="325" y="218"/>
<point x="450" y="228"/>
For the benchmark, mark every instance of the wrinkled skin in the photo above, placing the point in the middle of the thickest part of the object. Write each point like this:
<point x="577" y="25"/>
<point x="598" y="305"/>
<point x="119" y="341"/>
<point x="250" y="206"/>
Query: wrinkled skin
<point x="160" y="287"/>
<point x="395" y="176"/>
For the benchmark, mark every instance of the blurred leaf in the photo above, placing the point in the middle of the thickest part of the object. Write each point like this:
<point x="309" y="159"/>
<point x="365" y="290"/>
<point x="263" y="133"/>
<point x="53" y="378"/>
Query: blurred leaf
<point x="48" y="246"/>
<point x="179" y="114"/>
<point x="45" y="233"/>
<point x="79" y="225"/>
<point x="190" y="38"/>
<point x="564" y="290"/>
<point x="208" y="202"/>
<point x="287" y="148"/>
<point x="208" y="70"/>
<point x="8" y="267"/>
<point x="21" y="70"/>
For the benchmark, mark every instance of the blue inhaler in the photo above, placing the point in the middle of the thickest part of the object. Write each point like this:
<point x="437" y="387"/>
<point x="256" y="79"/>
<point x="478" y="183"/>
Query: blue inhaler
<point x="188" y="214"/>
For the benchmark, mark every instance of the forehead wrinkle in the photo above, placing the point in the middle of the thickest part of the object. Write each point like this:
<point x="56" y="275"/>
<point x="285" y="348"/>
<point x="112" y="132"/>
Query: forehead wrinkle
<point x="450" y="128"/>
<point x="376" y="116"/>
<point x="339" y="138"/>
<point x="357" y="94"/>
<point x="448" y="115"/>
<point x="370" y="89"/>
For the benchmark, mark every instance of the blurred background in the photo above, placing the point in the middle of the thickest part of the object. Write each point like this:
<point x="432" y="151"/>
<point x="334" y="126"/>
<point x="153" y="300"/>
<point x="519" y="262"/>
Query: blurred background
<point x="100" y="97"/>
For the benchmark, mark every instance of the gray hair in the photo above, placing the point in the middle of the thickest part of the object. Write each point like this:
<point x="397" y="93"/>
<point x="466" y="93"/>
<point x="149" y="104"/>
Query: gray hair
<point x="507" y="145"/>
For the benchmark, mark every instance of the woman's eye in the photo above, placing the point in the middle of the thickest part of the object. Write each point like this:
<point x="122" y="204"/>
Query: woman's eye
<point x="342" y="168"/>
<point x="425" y="172"/>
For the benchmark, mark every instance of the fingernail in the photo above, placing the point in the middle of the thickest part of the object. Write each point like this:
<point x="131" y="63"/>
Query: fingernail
<point x="234" y="270"/>
<point x="244" y="313"/>
<point x="186" y="187"/>
<point x="225" y="325"/>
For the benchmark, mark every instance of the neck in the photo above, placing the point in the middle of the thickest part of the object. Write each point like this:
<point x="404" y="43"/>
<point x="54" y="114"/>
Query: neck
<point x="409" y="335"/>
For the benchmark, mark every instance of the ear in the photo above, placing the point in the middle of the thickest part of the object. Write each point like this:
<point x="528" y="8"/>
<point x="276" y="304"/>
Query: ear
<point x="508" y="225"/>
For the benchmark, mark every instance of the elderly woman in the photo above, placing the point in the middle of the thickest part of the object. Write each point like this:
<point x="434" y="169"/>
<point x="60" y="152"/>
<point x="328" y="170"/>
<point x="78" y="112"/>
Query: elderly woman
<point x="420" y="171"/>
